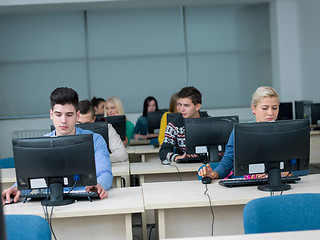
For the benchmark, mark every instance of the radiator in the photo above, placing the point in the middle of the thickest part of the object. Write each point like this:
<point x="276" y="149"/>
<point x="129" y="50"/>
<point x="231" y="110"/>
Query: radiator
<point x="29" y="133"/>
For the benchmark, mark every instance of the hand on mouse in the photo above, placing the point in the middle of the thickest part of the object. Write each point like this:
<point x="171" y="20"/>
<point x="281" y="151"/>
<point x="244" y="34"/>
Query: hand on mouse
<point x="10" y="195"/>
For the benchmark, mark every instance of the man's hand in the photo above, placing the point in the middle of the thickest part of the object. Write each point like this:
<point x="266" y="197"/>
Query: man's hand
<point x="9" y="193"/>
<point x="99" y="189"/>
<point x="184" y="156"/>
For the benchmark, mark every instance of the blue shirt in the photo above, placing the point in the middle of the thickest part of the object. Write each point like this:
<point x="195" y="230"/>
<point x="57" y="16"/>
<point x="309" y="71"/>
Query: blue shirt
<point x="141" y="126"/>
<point x="102" y="157"/>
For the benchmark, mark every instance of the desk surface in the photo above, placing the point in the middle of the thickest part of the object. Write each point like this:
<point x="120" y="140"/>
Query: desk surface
<point x="120" y="201"/>
<point x="156" y="167"/>
<point x="142" y="149"/>
<point x="120" y="169"/>
<point x="310" y="235"/>
<point x="191" y="193"/>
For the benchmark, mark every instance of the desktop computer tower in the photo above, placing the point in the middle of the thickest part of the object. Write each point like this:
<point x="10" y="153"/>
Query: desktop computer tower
<point x="303" y="109"/>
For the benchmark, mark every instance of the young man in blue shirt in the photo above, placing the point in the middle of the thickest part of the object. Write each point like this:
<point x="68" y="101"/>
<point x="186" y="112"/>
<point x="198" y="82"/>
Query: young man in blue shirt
<point x="64" y="114"/>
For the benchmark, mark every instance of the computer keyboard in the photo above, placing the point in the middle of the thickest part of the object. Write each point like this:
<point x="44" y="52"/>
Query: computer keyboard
<point x="241" y="182"/>
<point x="72" y="195"/>
<point x="199" y="159"/>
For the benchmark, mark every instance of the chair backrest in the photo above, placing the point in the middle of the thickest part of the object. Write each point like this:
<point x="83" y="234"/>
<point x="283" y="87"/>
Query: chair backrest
<point x="7" y="163"/>
<point x="281" y="213"/>
<point x="27" y="227"/>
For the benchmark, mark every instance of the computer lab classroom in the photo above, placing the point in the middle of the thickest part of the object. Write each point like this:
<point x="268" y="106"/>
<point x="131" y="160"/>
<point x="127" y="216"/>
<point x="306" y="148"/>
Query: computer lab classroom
<point x="138" y="48"/>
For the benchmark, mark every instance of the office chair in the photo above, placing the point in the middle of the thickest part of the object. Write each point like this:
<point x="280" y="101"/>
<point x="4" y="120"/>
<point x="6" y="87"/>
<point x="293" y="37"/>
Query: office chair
<point x="293" y="212"/>
<point x="27" y="227"/>
<point x="7" y="163"/>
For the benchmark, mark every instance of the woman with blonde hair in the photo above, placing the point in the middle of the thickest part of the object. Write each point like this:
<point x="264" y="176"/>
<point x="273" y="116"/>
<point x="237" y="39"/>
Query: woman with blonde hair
<point x="114" y="107"/>
<point x="265" y="108"/>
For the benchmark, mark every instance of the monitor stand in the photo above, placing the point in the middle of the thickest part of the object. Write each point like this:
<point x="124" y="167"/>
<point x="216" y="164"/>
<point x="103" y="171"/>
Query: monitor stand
<point x="274" y="182"/>
<point x="56" y="193"/>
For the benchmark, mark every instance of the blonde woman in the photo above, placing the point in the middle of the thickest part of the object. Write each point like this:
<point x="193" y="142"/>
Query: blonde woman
<point x="265" y="108"/>
<point x="114" y="107"/>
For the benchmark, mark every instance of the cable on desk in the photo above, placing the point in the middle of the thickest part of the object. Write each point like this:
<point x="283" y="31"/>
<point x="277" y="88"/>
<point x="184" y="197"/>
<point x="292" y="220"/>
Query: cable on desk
<point x="205" y="193"/>
<point x="174" y="165"/>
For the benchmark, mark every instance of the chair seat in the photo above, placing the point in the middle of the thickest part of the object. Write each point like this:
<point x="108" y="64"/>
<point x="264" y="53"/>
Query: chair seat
<point x="292" y="212"/>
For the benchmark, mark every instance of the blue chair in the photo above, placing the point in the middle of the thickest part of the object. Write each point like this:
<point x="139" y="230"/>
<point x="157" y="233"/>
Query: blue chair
<point x="293" y="212"/>
<point x="6" y="163"/>
<point x="27" y="227"/>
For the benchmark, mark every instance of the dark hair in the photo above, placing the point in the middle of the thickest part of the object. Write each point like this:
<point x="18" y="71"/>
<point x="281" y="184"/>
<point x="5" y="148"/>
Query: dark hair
<point x="96" y="101"/>
<point x="146" y="104"/>
<point x="192" y="93"/>
<point x="85" y="106"/>
<point x="64" y="95"/>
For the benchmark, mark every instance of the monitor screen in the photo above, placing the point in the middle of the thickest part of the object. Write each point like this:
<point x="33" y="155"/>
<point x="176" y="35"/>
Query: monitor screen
<point x="119" y="124"/>
<point x="315" y="113"/>
<point x="100" y="118"/>
<point x="154" y="119"/>
<point x="285" y="111"/>
<point x="208" y="135"/>
<point x="59" y="161"/>
<point x="272" y="148"/>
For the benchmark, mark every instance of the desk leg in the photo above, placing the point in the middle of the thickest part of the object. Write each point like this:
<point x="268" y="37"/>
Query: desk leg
<point x="161" y="228"/>
<point x="143" y="158"/>
<point x="118" y="182"/>
<point x="128" y="223"/>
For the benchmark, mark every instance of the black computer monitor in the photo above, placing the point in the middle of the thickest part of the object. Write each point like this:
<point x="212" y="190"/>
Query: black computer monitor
<point x="96" y="127"/>
<point x="100" y="118"/>
<point x="59" y="161"/>
<point x="119" y="124"/>
<point x="315" y="113"/>
<point x="208" y="135"/>
<point x="302" y="109"/>
<point x="154" y="119"/>
<point x="272" y="148"/>
<point x="285" y="111"/>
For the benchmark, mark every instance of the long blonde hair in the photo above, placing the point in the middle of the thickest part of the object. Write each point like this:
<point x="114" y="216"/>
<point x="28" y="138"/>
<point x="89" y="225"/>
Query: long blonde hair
<point x="118" y="104"/>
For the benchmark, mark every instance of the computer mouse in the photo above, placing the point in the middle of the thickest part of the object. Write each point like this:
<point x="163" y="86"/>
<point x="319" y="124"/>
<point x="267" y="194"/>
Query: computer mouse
<point x="165" y="162"/>
<point x="206" y="180"/>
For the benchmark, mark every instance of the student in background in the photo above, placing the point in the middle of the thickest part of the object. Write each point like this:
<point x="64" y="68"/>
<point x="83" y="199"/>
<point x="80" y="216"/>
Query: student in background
<point x="173" y="108"/>
<point x="114" y="107"/>
<point x="141" y="128"/>
<point x="189" y="102"/>
<point x="118" y="152"/>
<point x="98" y="105"/>
<point x="265" y="108"/>
<point x="64" y="114"/>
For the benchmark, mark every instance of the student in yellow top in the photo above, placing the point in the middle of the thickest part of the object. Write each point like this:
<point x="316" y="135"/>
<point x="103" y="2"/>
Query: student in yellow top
<point x="173" y="108"/>
<point x="114" y="107"/>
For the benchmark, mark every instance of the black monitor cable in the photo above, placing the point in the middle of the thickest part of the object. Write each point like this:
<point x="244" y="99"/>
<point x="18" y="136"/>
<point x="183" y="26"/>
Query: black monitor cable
<point x="205" y="193"/>
<point x="175" y="165"/>
<point x="73" y="186"/>
<point x="286" y="180"/>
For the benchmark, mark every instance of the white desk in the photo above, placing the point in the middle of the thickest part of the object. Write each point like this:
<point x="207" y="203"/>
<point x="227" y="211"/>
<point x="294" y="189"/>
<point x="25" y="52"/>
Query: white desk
<point x="309" y="235"/>
<point x="144" y="152"/>
<point x="155" y="171"/>
<point x="8" y="177"/>
<point x="315" y="147"/>
<point x="100" y="219"/>
<point x="183" y="209"/>
<point x="119" y="170"/>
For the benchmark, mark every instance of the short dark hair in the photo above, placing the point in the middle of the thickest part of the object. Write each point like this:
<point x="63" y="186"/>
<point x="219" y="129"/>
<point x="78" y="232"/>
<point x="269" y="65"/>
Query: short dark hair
<point x="192" y="93"/>
<point x="96" y="101"/>
<point x="146" y="104"/>
<point x="64" y="95"/>
<point x="85" y="106"/>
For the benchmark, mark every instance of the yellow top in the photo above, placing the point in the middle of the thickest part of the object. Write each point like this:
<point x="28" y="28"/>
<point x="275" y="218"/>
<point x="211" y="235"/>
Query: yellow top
<point x="163" y="126"/>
